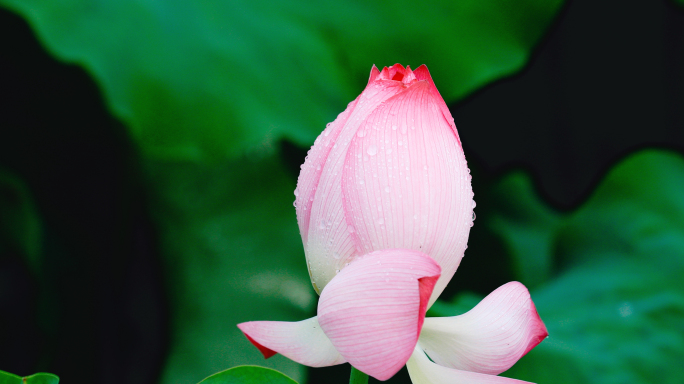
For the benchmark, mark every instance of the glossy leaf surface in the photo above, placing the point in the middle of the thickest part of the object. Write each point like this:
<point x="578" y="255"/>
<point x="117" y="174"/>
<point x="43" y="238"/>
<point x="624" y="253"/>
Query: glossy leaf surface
<point x="205" y="80"/>
<point x="248" y="374"/>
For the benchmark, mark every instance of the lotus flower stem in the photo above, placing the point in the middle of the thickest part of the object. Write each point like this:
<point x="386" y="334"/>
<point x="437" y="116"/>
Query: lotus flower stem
<point x="357" y="377"/>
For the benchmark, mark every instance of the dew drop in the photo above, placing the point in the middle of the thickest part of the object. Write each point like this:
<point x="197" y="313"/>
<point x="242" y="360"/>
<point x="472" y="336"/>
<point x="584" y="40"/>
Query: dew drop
<point x="394" y="127"/>
<point x="361" y="133"/>
<point x="372" y="150"/>
<point x="400" y="143"/>
<point x="381" y="221"/>
<point x="387" y="189"/>
<point x="336" y="255"/>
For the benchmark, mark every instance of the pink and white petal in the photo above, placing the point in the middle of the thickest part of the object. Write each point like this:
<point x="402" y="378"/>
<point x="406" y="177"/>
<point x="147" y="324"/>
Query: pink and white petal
<point x="310" y="174"/>
<point x="373" y="310"/>
<point x="328" y="243"/>
<point x="491" y="337"/>
<point x="423" y="371"/>
<point x="422" y="73"/>
<point x="301" y="341"/>
<point x="406" y="183"/>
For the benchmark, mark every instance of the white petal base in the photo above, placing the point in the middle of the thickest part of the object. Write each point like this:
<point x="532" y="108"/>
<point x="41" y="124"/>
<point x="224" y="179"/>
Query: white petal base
<point x="423" y="371"/>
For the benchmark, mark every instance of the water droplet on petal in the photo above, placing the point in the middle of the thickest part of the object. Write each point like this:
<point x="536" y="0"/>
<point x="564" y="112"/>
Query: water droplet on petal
<point x="381" y="221"/>
<point x="387" y="189"/>
<point x="361" y="133"/>
<point x="372" y="150"/>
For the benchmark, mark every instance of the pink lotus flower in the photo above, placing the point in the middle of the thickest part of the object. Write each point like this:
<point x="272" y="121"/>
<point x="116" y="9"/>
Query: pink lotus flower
<point x="384" y="205"/>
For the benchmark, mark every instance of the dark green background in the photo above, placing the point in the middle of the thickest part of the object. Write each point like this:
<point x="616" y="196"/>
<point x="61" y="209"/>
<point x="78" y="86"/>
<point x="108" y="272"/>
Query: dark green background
<point x="145" y="210"/>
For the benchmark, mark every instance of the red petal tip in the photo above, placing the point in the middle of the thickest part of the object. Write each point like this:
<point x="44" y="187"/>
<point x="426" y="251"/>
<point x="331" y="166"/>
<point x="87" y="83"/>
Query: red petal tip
<point x="540" y="333"/>
<point x="373" y="74"/>
<point x="264" y="351"/>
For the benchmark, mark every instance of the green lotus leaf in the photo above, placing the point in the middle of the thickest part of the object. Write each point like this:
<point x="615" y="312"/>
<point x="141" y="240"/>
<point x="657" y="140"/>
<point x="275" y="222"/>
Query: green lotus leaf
<point x="248" y="374"/>
<point x="205" y="80"/>
<point x="233" y="253"/>
<point x="37" y="378"/>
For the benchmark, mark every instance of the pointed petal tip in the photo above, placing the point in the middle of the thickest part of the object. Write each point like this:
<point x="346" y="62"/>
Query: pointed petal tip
<point x="301" y="341"/>
<point x="373" y="74"/>
<point x="246" y="328"/>
<point x="539" y="331"/>
<point x="422" y="73"/>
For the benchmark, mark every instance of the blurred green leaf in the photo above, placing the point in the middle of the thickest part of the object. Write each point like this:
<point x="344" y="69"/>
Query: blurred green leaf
<point x="20" y="224"/>
<point x="610" y="290"/>
<point x="205" y="79"/>
<point x="38" y="378"/>
<point x="233" y="254"/>
<point x="247" y="374"/>
<point x="9" y="378"/>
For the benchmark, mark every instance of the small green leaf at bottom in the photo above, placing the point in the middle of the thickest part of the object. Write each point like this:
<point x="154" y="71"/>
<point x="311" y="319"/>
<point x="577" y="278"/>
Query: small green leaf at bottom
<point x="37" y="378"/>
<point x="248" y="374"/>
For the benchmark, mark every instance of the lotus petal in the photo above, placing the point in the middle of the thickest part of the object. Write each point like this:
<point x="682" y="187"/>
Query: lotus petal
<point x="301" y="341"/>
<point x="491" y="337"/>
<point x="373" y="310"/>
